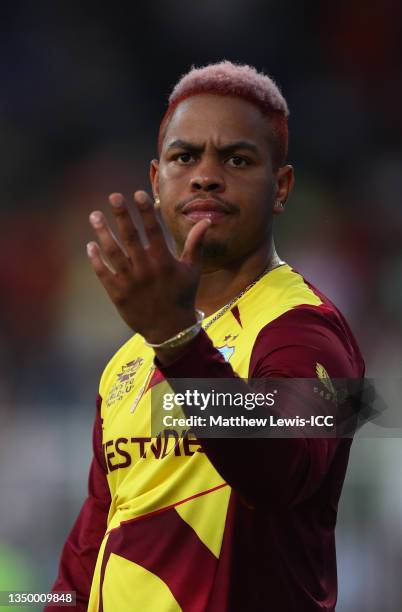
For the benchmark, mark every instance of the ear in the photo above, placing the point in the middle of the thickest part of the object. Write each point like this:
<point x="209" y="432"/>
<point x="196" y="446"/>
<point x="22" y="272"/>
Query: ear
<point x="285" y="181"/>
<point x="154" y="176"/>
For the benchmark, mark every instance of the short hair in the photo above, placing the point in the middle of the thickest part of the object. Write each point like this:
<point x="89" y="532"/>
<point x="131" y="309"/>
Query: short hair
<point x="241" y="81"/>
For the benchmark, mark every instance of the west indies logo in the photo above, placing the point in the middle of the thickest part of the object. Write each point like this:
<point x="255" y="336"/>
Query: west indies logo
<point x="227" y="351"/>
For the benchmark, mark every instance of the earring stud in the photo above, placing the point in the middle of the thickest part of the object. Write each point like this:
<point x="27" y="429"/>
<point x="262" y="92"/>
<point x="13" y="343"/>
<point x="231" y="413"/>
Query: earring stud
<point x="157" y="202"/>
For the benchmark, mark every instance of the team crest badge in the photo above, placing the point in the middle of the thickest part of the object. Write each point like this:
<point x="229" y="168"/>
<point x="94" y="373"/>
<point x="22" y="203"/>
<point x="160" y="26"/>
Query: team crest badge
<point x="226" y="351"/>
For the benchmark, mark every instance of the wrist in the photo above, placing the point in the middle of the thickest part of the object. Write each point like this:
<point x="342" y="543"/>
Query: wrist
<point x="178" y="332"/>
<point x="166" y="357"/>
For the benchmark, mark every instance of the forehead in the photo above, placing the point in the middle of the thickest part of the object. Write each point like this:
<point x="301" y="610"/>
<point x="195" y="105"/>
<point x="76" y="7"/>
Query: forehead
<point x="222" y="119"/>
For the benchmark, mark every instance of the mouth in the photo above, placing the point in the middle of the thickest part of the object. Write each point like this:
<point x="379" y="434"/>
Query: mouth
<point x="211" y="209"/>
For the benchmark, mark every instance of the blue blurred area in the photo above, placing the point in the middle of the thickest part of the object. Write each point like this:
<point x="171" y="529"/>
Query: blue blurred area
<point x="83" y="89"/>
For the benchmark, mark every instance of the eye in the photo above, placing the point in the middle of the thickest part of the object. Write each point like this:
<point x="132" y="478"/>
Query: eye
<point x="237" y="162"/>
<point x="183" y="158"/>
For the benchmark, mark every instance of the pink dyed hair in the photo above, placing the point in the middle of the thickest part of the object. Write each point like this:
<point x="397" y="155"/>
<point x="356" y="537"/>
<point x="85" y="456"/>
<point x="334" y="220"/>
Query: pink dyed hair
<point x="242" y="81"/>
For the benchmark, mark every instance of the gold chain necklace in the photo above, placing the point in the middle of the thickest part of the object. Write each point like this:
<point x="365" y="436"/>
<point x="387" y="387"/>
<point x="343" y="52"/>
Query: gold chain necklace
<point x="208" y="324"/>
<point x="240" y="295"/>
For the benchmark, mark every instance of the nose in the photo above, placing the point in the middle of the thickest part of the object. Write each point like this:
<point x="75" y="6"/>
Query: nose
<point x="207" y="178"/>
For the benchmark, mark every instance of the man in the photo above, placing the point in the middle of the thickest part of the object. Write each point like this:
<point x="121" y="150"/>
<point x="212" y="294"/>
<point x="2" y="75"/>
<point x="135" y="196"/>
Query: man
<point x="207" y="524"/>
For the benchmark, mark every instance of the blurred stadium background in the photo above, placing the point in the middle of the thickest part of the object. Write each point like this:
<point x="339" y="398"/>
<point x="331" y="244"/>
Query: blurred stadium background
<point x="83" y="90"/>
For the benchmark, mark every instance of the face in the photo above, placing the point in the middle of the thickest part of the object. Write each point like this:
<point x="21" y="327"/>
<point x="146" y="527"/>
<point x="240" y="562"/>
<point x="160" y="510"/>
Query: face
<point x="216" y="162"/>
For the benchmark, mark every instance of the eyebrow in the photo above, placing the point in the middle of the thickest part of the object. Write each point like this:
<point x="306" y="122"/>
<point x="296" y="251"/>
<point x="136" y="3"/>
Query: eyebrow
<point x="229" y="148"/>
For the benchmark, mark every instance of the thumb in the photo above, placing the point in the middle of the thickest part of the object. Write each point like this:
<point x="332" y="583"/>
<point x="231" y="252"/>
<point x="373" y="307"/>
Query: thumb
<point x="192" y="251"/>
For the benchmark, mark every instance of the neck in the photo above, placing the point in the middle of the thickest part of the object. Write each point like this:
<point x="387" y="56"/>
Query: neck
<point x="218" y="286"/>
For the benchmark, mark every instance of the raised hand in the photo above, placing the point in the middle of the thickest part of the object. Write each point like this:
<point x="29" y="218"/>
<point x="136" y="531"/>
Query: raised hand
<point x="153" y="291"/>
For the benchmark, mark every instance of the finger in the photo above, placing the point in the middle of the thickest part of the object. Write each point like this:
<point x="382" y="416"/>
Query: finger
<point x="192" y="251"/>
<point x="128" y="232"/>
<point x="110" y="246"/>
<point x="153" y="229"/>
<point x="102" y="271"/>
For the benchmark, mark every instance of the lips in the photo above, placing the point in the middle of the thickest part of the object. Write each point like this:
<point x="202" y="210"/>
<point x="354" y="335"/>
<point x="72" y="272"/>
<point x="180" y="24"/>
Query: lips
<point x="212" y="209"/>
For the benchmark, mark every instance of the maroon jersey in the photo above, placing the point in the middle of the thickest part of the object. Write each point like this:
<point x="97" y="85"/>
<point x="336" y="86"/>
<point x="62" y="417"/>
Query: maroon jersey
<point x="277" y="550"/>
